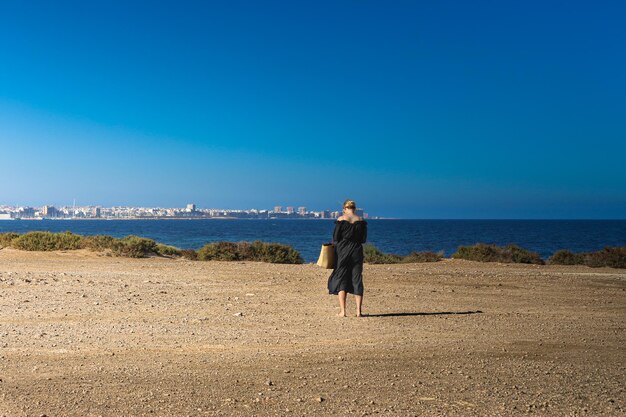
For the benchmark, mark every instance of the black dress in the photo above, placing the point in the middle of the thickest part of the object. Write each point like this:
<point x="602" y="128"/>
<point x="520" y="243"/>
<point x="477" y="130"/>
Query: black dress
<point x="348" y="273"/>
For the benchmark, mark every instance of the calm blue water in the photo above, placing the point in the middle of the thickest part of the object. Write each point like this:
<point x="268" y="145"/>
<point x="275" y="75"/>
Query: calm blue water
<point x="396" y="236"/>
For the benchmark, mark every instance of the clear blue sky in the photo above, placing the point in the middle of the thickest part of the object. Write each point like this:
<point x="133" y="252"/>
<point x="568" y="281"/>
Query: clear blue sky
<point x="418" y="109"/>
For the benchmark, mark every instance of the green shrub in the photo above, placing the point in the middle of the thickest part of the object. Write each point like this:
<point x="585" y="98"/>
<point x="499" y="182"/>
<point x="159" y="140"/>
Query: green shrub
<point x="46" y="241"/>
<point x="565" y="257"/>
<point x="246" y="251"/>
<point x="613" y="257"/>
<point x="479" y="252"/>
<point x="129" y="246"/>
<point x="190" y="254"/>
<point x="482" y="252"/>
<point x="276" y="253"/>
<point x="373" y="255"/>
<point x="522" y="256"/>
<point x="99" y="243"/>
<point x="418" y="257"/>
<point x="7" y="238"/>
<point x="134" y="247"/>
<point x="219" y="251"/>
<point x="166" y="250"/>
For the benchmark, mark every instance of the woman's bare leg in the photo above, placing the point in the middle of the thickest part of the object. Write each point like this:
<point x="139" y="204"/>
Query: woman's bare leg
<point x="359" y="302"/>
<point x="342" y="304"/>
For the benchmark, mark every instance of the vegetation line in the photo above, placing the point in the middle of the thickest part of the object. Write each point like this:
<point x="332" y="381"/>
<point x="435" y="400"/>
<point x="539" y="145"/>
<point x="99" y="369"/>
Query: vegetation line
<point x="139" y="247"/>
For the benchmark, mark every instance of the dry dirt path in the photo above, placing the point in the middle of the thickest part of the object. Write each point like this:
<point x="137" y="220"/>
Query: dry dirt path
<point x="89" y="335"/>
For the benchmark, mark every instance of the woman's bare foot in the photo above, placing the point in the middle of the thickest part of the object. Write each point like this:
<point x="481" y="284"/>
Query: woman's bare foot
<point x="341" y="314"/>
<point x="359" y="314"/>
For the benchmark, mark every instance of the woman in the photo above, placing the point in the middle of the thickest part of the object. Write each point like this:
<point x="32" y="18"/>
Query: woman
<point x="347" y="277"/>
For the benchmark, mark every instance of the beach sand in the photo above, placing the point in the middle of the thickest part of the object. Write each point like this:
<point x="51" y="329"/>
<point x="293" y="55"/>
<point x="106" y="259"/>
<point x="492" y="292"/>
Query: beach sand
<point x="82" y="334"/>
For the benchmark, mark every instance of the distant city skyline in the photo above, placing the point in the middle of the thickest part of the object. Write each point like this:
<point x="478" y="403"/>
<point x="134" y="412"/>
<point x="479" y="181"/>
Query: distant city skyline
<point x="189" y="211"/>
<point x="447" y="110"/>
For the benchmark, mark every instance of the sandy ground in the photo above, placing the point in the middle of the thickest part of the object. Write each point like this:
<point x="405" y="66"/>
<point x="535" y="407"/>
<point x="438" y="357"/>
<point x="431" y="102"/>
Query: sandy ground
<point x="88" y="335"/>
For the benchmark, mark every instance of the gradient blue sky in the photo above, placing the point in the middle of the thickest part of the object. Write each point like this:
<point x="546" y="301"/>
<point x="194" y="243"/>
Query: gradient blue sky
<point x="419" y="109"/>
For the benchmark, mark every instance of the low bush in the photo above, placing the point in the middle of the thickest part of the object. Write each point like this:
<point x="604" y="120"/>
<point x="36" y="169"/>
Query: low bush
<point x="190" y="254"/>
<point x="135" y="247"/>
<point x="419" y="257"/>
<point x="246" y="251"/>
<point x="613" y="257"/>
<point x="373" y="255"/>
<point x="522" y="256"/>
<point x="275" y="253"/>
<point x="129" y="246"/>
<point x="46" y="241"/>
<point x="219" y="251"/>
<point x="482" y="252"/>
<point x="99" y="243"/>
<point x="565" y="257"/>
<point x="7" y="238"/>
<point x="166" y="250"/>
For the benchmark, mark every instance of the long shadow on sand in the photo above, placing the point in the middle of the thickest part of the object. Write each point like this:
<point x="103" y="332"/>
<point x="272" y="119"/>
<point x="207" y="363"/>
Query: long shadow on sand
<point x="435" y="313"/>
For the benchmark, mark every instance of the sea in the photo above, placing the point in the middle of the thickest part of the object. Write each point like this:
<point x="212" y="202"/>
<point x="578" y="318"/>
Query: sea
<point x="392" y="236"/>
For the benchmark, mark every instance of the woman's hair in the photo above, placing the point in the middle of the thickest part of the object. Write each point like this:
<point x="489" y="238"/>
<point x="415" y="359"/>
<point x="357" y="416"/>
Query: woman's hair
<point x="349" y="204"/>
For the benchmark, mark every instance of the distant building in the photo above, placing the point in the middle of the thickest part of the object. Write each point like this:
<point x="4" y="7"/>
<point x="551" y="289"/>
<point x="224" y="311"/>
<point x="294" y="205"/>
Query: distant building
<point x="49" y="211"/>
<point x="278" y="209"/>
<point x="302" y="211"/>
<point x="26" y="212"/>
<point x="5" y="216"/>
<point x="96" y="212"/>
<point x="191" y="207"/>
<point x="289" y="210"/>
<point x="325" y="214"/>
